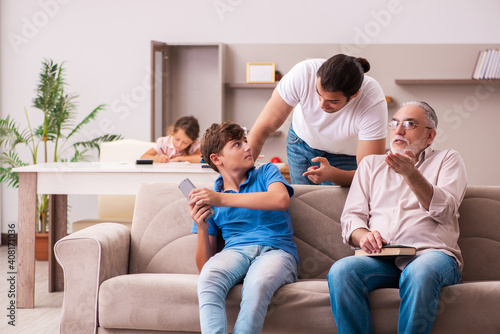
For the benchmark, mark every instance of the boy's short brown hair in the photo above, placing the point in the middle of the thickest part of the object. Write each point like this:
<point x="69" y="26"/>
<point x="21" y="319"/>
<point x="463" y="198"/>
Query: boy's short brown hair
<point x="216" y="137"/>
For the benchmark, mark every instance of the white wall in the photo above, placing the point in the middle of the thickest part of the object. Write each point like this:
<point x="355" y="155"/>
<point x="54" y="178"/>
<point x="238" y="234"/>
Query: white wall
<point x="106" y="43"/>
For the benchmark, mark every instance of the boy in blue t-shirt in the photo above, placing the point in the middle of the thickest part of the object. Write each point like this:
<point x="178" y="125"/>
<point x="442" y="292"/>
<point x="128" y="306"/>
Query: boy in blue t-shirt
<point x="251" y="213"/>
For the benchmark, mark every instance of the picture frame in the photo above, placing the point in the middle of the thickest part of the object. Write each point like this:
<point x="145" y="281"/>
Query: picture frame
<point x="260" y="72"/>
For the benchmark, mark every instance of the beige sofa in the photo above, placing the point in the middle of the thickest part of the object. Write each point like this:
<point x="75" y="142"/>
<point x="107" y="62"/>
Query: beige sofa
<point x="144" y="280"/>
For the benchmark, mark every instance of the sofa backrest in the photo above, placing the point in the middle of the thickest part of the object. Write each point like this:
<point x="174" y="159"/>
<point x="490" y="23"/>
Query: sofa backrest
<point x="315" y="213"/>
<point x="480" y="233"/>
<point x="162" y="241"/>
<point x="161" y="238"/>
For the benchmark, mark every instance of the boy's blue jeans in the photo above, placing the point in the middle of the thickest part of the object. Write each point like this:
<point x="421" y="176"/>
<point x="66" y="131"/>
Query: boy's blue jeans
<point x="351" y="279"/>
<point x="299" y="156"/>
<point x="262" y="269"/>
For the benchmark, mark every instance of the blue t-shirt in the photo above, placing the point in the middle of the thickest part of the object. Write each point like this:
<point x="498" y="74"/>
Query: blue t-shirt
<point x="242" y="227"/>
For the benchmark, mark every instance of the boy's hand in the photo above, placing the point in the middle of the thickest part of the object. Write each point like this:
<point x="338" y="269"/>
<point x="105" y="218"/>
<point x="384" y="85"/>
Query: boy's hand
<point x="204" y="196"/>
<point x="199" y="212"/>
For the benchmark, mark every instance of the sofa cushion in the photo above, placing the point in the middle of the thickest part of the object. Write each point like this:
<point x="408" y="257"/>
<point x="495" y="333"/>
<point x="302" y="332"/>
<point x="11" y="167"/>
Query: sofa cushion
<point x="150" y="301"/>
<point x="169" y="302"/>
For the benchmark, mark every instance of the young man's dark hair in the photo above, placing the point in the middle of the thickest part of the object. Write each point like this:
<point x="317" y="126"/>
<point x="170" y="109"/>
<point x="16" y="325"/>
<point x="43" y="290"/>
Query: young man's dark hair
<point x="342" y="73"/>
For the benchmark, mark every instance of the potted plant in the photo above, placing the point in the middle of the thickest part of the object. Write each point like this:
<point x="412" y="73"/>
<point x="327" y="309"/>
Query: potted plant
<point x="57" y="133"/>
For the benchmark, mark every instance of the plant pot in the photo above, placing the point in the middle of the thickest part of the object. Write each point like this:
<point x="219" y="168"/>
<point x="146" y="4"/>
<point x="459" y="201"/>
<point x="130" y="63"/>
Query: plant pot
<point x="42" y="246"/>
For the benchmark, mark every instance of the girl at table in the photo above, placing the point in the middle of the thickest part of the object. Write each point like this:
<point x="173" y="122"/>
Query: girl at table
<point x="181" y="144"/>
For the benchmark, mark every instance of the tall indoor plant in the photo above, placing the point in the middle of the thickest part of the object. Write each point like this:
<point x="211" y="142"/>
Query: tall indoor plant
<point x="56" y="133"/>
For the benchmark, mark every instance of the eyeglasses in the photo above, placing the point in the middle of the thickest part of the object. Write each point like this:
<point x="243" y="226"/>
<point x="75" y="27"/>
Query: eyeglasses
<point x="407" y="125"/>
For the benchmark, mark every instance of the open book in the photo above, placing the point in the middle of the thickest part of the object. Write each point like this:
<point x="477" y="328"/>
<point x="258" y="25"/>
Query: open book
<point x="389" y="250"/>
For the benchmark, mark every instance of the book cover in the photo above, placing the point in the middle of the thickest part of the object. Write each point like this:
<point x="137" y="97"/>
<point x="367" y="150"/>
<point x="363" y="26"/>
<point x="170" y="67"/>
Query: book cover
<point x="486" y="64"/>
<point x="389" y="250"/>
<point x="480" y="65"/>
<point x="477" y="67"/>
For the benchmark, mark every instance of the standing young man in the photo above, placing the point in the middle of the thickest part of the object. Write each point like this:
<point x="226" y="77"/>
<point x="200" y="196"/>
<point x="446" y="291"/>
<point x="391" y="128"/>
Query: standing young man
<point x="339" y="117"/>
<point x="251" y="213"/>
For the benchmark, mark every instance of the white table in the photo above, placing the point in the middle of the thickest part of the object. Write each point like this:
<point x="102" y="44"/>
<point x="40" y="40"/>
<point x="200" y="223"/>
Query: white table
<point x="60" y="179"/>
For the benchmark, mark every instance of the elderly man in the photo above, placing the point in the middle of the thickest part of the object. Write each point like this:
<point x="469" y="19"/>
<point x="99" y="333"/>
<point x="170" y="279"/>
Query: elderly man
<point x="409" y="197"/>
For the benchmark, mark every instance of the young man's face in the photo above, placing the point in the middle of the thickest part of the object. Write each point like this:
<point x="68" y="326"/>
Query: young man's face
<point x="236" y="154"/>
<point x="331" y="102"/>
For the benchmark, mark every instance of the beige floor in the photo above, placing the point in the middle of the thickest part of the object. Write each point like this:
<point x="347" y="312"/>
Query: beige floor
<point x="44" y="318"/>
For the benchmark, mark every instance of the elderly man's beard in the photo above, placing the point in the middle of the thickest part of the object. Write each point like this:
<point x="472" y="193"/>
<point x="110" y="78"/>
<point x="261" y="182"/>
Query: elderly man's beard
<point x="416" y="147"/>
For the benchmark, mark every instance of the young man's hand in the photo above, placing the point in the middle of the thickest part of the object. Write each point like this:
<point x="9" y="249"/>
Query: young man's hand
<point x="321" y="173"/>
<point x="326" y="172"/>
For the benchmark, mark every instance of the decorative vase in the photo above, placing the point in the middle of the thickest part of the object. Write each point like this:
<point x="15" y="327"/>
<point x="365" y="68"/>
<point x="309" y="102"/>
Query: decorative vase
<point x="42" y="246"/>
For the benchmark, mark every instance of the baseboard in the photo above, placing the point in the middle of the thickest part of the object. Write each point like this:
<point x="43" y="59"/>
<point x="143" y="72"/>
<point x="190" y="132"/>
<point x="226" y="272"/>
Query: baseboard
<point x="6" y="239"/>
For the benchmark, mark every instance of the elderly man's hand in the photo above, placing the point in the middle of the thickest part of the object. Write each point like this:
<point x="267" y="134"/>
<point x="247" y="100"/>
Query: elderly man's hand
<point x="369" y="241"/>
<point x="403" y="164"/>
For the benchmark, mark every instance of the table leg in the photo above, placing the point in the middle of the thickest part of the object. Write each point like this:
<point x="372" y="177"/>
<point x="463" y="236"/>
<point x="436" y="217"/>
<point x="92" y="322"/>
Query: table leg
<point x="26" y="240"/>
<point x="58" y="220"/>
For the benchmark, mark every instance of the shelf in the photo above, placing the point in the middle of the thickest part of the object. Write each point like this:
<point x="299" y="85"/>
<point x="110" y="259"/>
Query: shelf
<point x="251" y="85"/>
<point x="444" y="81"/>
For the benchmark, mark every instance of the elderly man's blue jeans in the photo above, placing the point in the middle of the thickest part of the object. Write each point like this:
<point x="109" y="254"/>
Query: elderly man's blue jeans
<point x="299" y="155"/>
<point x="351" y="279"/>
<point x="262" y="269"/>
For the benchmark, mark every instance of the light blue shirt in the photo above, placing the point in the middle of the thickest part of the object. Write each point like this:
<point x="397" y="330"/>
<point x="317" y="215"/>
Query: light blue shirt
<point x="242" y="227"/>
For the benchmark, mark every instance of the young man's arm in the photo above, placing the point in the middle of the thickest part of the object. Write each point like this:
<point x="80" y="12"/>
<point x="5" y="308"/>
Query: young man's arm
<point x="270" y="119"/>
<point x="275" y="198"/>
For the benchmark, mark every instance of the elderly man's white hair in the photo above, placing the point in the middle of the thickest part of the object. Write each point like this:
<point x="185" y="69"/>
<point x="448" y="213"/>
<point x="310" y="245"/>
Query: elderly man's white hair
<point x="429" y="112"/>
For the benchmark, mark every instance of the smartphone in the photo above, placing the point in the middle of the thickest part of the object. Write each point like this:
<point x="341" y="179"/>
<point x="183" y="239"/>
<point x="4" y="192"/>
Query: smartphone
<point x="144" y="161"/>
<point x="186" y="186"/>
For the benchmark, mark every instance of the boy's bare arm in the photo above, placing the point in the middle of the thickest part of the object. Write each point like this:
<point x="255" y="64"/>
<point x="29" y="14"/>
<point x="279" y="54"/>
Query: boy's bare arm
<point x="275" y="198"/>
<point x="206" y="246"/>
<point x="205" y="249"/>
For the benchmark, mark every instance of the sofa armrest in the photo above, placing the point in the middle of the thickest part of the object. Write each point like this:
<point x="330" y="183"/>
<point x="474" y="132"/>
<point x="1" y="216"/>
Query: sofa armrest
<point x="89" y="257"/>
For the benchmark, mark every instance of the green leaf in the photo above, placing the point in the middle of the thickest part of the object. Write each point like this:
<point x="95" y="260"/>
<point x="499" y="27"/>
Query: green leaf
<point x="87" y="119"/>
<point x="50" y="86"/>
<point x="10" y="135"/>
<point x="12" y="160"/>
<point x="96" y="142"/>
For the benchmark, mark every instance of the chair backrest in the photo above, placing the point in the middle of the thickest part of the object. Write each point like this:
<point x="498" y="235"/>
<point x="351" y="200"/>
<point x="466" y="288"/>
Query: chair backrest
<point x="126" y="150"/>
